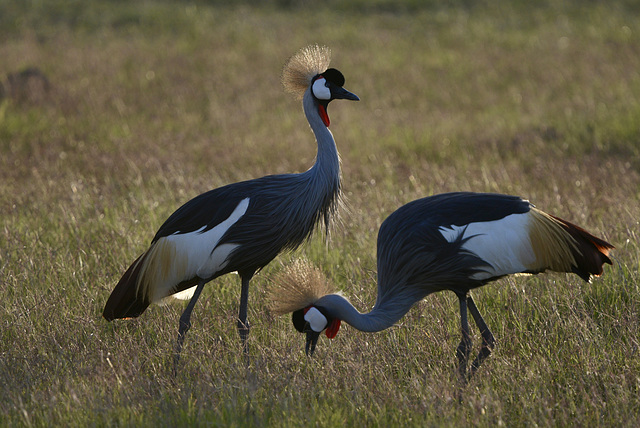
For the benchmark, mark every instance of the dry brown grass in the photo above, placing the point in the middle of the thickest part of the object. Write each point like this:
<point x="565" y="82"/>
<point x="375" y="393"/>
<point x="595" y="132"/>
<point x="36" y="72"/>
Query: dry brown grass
<point x="154" y="103"/>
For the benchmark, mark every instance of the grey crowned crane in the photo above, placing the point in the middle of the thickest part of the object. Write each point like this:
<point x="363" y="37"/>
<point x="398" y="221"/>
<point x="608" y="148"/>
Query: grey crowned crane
<point x="241" y="227"/>
<point x="451" y="241"/>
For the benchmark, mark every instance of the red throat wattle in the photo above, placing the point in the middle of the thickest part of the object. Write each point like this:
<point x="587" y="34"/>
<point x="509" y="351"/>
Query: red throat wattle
<point x="334" y="325"/>
<point x="332" y="329"/>
<point x="322" y="110"/>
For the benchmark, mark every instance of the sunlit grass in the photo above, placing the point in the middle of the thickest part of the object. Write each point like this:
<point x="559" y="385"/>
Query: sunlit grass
<point x="152" y="103"/>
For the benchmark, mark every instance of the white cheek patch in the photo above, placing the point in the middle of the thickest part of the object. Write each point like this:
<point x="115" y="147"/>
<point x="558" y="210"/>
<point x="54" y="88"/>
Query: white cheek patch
<point x="320" y="90"/>
<point x="316" y="320"/>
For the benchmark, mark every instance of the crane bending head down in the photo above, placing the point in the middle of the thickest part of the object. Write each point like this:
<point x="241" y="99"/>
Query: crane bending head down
<point x="452" y="241"/>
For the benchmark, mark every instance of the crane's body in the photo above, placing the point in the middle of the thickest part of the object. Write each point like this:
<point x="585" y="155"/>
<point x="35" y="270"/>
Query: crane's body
<point x="241" y="227"/>
<point x="458" y="242"/>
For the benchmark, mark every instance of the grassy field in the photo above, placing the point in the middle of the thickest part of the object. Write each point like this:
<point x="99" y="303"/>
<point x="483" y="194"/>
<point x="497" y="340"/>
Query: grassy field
<point x="151" y="103"/>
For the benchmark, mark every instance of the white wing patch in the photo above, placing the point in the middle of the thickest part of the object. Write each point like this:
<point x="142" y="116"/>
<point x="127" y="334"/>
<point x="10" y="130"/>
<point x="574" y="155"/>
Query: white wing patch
<point x="504" y="244"/>
<point x="185" y="294"/>
<point x="180" y="257"/>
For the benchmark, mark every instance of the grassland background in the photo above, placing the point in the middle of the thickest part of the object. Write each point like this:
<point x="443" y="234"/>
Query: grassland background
<point x="153" y="102"/>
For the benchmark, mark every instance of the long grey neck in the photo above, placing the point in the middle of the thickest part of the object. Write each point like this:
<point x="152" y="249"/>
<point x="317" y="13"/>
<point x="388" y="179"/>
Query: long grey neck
<point x="378" y="319"/>
<point x="327" y="162"/>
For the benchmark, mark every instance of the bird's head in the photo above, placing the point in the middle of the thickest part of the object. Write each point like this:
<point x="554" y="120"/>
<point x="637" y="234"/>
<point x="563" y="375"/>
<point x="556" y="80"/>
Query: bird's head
<point x="327" y="87"/>
<point x="313" y="320"/>
<point x="298" y="289"/>
<point x="308" y="70"/>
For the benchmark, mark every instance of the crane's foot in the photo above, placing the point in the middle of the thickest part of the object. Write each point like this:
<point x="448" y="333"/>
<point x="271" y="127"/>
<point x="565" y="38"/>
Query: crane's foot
<point x="176" y="361"/>
<point x="185" y="325"/>
<point x="488" y="343"/>
<point x="243" y="331"/>
<point x="463" y="351"/>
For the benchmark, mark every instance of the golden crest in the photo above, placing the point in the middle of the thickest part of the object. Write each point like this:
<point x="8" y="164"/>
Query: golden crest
<point x="297" y="286"/>
<point x="307" y="63"/>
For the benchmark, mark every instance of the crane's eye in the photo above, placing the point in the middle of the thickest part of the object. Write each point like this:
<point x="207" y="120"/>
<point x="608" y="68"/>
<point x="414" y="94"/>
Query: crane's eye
<point x="320" y="90"/>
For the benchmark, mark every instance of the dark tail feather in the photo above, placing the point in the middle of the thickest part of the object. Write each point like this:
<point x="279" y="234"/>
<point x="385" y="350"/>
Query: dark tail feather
<point x="124" y="302"/>
<point x="592" y="253"/>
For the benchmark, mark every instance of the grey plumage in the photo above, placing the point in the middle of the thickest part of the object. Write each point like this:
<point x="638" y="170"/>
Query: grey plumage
<point x="453" y="241"/>
<point x="242" y="226"/>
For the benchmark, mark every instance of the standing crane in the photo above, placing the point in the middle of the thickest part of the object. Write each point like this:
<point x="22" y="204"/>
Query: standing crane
<point x="242" y="226"/>
<point x="452" y="241"/>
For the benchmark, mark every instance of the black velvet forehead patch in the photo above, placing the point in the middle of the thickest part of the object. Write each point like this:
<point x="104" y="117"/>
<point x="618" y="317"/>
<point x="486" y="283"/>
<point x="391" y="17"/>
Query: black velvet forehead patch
<point x="334" y="76"/>
<point x="297" y="318"/>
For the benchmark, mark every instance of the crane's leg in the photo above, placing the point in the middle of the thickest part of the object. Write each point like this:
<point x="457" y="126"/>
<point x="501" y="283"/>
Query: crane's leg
<point x="185" y="325"/>
<point x="243" y="324"/>
<point x="488" y="341"/>
<point x="464" y="348"/>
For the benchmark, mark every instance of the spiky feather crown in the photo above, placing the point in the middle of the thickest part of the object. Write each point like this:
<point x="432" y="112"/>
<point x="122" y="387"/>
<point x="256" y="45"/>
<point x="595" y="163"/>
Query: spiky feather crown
<point x="307" y="63"/>
<point x="297" y="286"/>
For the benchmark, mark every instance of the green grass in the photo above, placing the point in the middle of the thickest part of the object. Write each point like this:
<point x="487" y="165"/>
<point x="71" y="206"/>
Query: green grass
<point x="154" y="102"/>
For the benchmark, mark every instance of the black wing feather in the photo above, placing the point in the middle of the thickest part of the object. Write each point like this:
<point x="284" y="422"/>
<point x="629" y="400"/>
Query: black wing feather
<point x="460" y="208"/>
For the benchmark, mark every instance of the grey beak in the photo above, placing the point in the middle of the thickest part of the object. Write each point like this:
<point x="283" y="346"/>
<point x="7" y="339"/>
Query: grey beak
<point x="312" y="340"/>
<point x="339" y="93"/>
